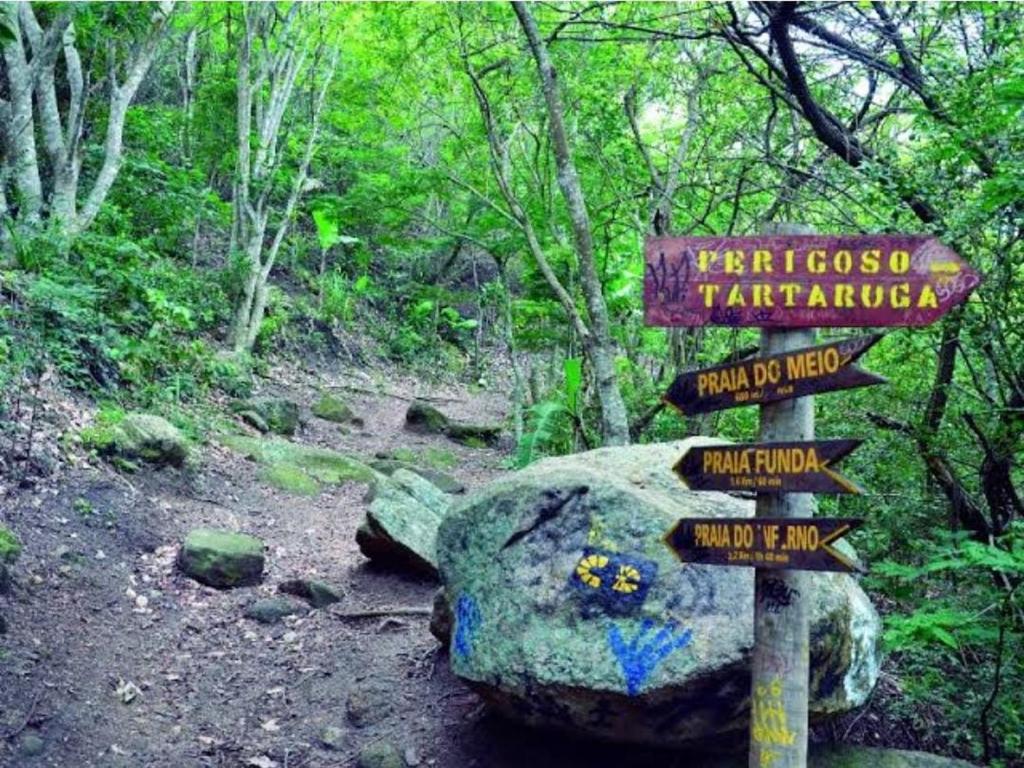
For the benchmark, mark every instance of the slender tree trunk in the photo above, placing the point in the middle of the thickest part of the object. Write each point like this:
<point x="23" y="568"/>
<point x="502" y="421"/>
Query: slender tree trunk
<point x="21" y="131"/>
<point x="614" y="420"/>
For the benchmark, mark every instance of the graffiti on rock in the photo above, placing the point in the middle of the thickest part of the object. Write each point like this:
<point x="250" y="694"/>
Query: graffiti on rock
<point x="611" y="582"/>
<point x="641" y="655"/>
<point x="467" y="622"/>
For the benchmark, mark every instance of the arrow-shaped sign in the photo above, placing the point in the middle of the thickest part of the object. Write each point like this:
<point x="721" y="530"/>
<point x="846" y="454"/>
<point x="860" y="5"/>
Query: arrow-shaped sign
<point x="802" y="281"/>
<point x="797" y="373"/>
<point x="800" y="467"/>
<point x="790" y="543"/>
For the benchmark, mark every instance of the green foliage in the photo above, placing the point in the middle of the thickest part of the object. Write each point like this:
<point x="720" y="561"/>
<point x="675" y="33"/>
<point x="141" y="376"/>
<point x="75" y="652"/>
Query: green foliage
<point x="10" y="547"/>
<point x="546" y="421"/>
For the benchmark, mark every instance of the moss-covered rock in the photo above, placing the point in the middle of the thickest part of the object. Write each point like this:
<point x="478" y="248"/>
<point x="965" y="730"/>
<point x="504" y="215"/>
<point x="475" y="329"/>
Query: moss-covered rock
<point x="570" y="610"/>
<point x="319" y="594"/>
<point x="400" y="529"/>
<point x="139" y="437"/>
<point x="289" y="460"/>
<point x="425" y="419"/>
<point x="270" y="610"/>
<point x="442" y="480"/>
<point x="381" y="754"/>
<point x="331" y="408"/>
<point x="10" y="547"/>
<point x="276" y="415"/>
<point x="222" y="559"/>
<point x="290" y="478"/>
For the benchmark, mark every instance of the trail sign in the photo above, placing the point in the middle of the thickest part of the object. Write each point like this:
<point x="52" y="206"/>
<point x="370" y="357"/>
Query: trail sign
<point x="801" y="372"/>
<point x="802" y="281"/>
<point x="778" y="543"/>
<point x="793" y="466"/>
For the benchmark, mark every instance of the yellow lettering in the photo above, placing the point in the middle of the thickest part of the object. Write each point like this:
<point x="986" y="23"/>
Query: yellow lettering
<point x="709" y="291"/>
<point x="843" y="262"/>
<point x="872" y="296"/>
<point x="762" y="261"/>
<point x="899" y="262"/>
<point x="899" y="296"/>
<point x="790" y="254"/>
<point x="869" y="261"/>
<point x="927" y="299"/>
<point x="790" y="290"/>
<point x="816" y="261"/>
<point x="735" y="296"/>
<point x="705" y="259"/>
<point x="817" y="297"/>
<point x="842" y="296"/>
<point x="734" y="262"/>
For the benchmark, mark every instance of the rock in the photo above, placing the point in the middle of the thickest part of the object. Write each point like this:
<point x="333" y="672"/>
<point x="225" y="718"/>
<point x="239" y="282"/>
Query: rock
<point x="277" y="415"/>
<point x="425" y="419"/>
<point x="320" y="464"/>
<point x="31" y="744"/>
<point x="401" y="525"/>
<point x="382" y="754"/>
<point x="221" y="558"/>
<point x="144" y="437"/>
<point x="441" y="618"/>
<point x="442" y="480"/>
<point x="571" y="612"/>
<point x="368" y="705"/>
<point x="475" y="435"/>
<point x="333" y="738"/>
<point x="332" y="408"/>
<point x="270" y="610"/>
<point x="319" y="594"/>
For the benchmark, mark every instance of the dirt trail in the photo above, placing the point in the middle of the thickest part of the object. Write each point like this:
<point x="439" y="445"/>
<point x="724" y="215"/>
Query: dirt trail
<point x="115" y="659"/>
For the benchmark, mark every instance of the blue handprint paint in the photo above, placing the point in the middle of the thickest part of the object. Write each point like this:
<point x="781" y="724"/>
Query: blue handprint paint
<point x="467" y="621"/>
<point x="641" y="655"/>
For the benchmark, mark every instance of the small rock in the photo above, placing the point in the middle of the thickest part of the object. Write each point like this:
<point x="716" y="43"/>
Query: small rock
<point x="333" y="737"/>
<point x="319" y="594"/>
<point x="271" y="610"/>
<point x="221" y="558"/>
<point x="412" y="759"/>
<point x="278" y="415"/>
<point x="382" y="754"/>
<point x="368" y="705"/>
<point x="332" y="408"/>
<point x="31" y="744"/>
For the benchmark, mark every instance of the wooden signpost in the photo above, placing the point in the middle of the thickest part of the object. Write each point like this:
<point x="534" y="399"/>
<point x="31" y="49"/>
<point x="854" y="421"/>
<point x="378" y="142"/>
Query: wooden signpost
<point x="780" y="543"/>
<point x="796" y="467"/>
<point x="785" y="280"/>
<point x="802" y="281"/>
<point x="825" y="368"/>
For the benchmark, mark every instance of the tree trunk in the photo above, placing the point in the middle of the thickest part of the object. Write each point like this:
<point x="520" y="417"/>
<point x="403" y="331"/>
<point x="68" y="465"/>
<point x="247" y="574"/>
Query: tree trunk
<point x="614" y="421"/>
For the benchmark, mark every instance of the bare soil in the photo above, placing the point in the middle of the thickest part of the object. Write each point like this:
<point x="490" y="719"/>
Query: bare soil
<point x="115" y="659"/>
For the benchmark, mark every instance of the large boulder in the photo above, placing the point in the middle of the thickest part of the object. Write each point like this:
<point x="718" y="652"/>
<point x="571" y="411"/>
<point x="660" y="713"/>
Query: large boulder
<point x="571" y="612"/>
<point x="400" y="529"/>
<point x="331" y="408"/>
<point x="221" y="558"/>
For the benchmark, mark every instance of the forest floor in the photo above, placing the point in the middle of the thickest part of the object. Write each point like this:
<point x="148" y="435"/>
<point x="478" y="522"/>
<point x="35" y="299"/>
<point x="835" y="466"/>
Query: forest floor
<point x="92" y="675"/>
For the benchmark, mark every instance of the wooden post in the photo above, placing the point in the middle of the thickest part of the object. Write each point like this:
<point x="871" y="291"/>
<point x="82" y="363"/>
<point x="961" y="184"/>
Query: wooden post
<point x="781" y="663"/>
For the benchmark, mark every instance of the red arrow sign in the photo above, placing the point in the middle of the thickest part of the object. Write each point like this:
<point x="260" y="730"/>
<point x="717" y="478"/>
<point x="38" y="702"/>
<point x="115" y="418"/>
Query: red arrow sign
<point x="802" y="372"/>
<point x="797" y="544"/>
<point x="795" y="281"/>
<point x="800" y="467"/>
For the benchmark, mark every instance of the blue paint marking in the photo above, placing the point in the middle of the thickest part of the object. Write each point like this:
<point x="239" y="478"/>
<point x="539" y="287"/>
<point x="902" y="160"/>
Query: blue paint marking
<point x="649" y="647"/>
<point x="622" y="583"/>
<point x="467" y="622"/>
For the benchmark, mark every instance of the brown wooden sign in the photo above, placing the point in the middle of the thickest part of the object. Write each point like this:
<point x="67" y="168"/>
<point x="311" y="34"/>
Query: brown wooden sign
<point x="801" y="281"/>
<point x="797" y="466"/>
<point x="790" y="543"/>
<point x="802" y="372"/>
